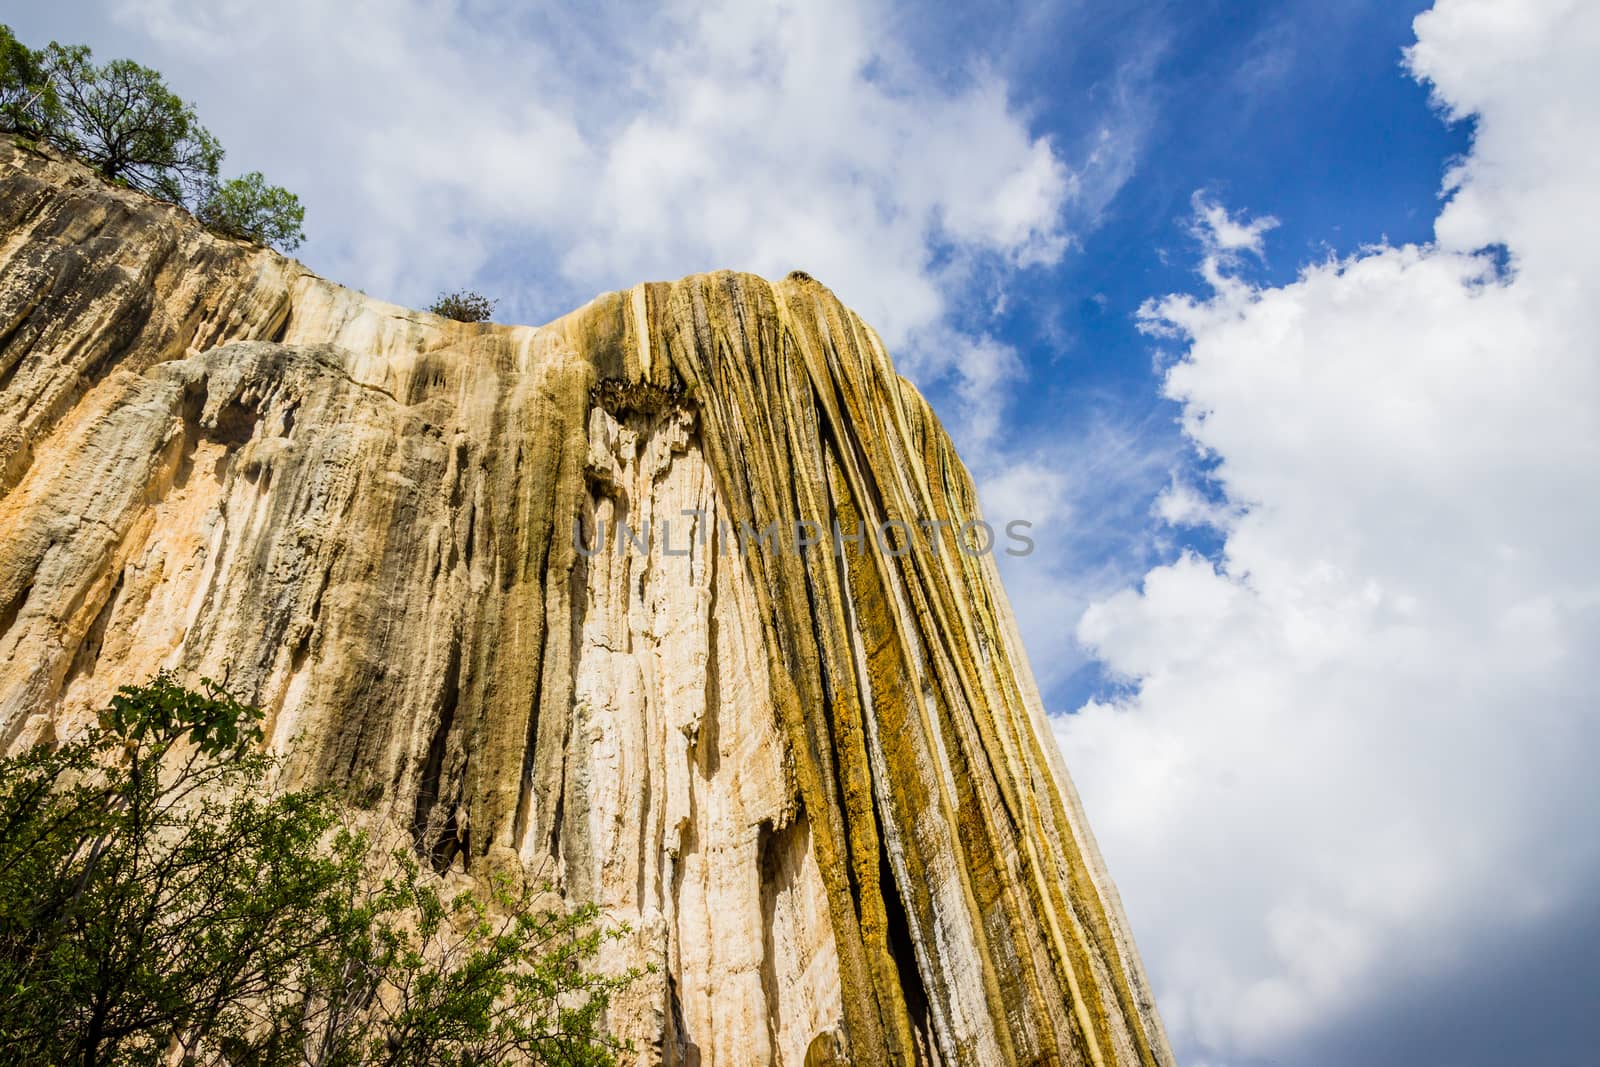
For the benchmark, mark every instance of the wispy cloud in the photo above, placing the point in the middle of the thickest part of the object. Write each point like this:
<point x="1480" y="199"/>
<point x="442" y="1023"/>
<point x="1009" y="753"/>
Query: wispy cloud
<point x="435" y="143"/>
<point x="1226" y="235"/>
<point x="1086" y="487"/>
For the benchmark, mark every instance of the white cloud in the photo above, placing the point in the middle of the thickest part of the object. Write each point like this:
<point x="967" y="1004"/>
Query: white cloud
<point x="1182" y="503"/>
<point x="984" y="370"/>
<point x="1222" y="233"/>
<point x="1360" y="745"/>
<point x="484" y="142"/>
<point x="1084" y="487"/>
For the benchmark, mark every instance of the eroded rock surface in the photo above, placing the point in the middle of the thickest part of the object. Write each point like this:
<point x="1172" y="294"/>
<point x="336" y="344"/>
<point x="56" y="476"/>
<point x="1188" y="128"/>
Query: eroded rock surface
<point x="819" y="786"/>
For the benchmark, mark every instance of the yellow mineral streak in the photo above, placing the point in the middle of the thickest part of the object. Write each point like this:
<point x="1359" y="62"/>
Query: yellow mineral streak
<point x="819" y="786"/>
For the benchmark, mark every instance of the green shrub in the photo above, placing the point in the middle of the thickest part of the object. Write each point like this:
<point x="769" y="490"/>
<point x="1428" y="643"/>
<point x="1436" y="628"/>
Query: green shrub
<point x="464" y="305"/>
<point x="162" y="901"/>
<point x="248" y="207"/>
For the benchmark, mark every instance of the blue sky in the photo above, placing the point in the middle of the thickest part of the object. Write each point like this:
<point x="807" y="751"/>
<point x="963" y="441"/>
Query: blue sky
<point x="1201" y="289"/>
<point x="1298" y="111"/>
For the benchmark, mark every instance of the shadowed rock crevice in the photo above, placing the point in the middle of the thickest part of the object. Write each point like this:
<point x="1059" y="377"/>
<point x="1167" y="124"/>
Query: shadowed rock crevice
<point x="903" y="950"/>
<point x="772" y="847"/>
<point x="12" y="608"/>
<point x="83" y="662"/>
<point x="439" y="842"/>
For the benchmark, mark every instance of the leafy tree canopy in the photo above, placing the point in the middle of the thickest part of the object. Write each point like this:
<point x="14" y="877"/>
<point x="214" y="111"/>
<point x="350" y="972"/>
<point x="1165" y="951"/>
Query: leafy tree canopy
<point x="162" y="901"/>
<point x="27" y="99"/>
<point x="250" y="208"/>
<point x="121" y="119"/>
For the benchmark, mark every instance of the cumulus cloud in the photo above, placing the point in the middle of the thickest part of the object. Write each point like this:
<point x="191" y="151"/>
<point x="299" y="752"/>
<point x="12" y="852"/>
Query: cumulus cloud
<point x="544" y="154"/>
<point x="1184" y="503"/>
<point x="552" y="155"/>
<point x="1354" y="761"/>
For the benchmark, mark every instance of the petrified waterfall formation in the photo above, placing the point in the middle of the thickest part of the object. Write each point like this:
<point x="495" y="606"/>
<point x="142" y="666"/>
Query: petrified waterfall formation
<point x="819" y="787"/>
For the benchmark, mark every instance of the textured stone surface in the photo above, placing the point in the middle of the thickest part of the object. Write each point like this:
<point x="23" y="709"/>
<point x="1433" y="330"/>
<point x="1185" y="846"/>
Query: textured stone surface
<point x="819" y="786"/>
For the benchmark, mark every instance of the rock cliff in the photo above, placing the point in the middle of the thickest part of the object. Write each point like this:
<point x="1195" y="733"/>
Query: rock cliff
<point x="818" y="784"/>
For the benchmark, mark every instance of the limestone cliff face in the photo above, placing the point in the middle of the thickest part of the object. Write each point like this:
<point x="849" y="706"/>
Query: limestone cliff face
<point x="819" y="786"/>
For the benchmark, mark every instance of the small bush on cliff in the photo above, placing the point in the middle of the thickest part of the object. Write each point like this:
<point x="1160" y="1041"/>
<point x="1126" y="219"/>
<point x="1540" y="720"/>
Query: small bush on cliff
<point x="121" y="119"/>
<point x="161" y="902"/>
<point x="250" y="208"/>
<point x="464" y="305"/>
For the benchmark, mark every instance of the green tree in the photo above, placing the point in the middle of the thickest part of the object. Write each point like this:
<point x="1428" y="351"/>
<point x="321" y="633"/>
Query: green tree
<point x="463" y="305"/>
<point x="416" y="979"/>
<point x="250" y="208"/>
<point x="159" y="897"/>
<point x="136" y="901"/>
<point x="122" y="120"/>
<point x="28" y="103"/>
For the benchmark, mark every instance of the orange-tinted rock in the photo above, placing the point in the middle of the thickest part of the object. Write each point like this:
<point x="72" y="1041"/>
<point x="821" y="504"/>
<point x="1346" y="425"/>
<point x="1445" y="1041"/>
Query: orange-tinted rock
<point x="819" y="785"/>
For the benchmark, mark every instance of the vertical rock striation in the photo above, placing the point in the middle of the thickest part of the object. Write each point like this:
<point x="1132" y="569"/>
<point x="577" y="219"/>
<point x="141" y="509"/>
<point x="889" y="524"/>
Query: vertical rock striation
<point x="818" y="784"/>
